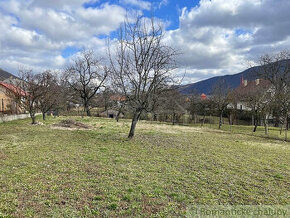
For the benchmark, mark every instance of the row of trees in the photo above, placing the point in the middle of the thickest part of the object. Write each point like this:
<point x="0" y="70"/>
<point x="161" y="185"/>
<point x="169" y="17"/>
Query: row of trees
<point x="138" y="68"/>
<point x="37" y="92"/>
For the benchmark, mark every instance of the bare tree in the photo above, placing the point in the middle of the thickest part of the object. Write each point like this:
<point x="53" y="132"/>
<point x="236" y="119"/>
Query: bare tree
<point x="28" y="92"/>
<point x="220" y="98"/>
<point x="257" y="98"/>
<point x="141" y="66"/>
<point x="86" y="76"/>
<point x="194" y="107"/>
<point x="106" y="95"/>
<point x="119" y="104"/>
<point x="276" y="69"/>
<point x="173" y="103"/>
<point x="232" y="113"/>
<point x="51" y="93"/>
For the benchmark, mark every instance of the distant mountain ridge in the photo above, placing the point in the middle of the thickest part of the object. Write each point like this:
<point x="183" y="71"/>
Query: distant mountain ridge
<point x="233" y="81"/>
<point x="5" y="75"/>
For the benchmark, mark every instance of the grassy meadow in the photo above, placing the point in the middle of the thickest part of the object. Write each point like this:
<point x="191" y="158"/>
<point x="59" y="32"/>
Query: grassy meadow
<point x="57" y="172"/>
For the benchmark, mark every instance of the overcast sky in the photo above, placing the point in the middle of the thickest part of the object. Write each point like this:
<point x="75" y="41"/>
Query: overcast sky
<point x="215" y="37"/>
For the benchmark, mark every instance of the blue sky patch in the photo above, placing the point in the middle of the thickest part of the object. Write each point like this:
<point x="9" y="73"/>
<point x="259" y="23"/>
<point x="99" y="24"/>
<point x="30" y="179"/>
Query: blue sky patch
<point x="239" y="32"/>
<point x="69" y="51"/>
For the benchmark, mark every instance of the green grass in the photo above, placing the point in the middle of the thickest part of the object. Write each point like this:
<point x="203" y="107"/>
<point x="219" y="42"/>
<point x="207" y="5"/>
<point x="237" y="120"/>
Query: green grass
<point x="48" y="172"/>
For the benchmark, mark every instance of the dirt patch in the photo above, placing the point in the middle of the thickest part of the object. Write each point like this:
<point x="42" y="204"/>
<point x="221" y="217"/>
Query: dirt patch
<point x="3" y="156"/>
<point x="71" y="124"/>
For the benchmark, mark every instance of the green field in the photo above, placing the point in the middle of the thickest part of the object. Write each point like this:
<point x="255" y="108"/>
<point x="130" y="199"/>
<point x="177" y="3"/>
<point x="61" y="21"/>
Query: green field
<point x="48" y="172"/>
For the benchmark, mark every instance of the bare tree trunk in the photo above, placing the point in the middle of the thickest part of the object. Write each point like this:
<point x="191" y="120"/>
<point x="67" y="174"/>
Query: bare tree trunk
<point x="255" y="126"/>
<point x="87" y="109"/>
<point x="220" y="121"/>
<point x="255" y="123"/>
<point x="231" y="121"/>
<point x="135" y="119"/>
<point x="118" y="115"/>
<point x="235" y="117"/>
<point x="286" y="127"/>
<point x="33" y="119"/>
<point x="287" y="123"/>
<point x="155" y="117"/>
<point x="266" y="126"/>
<point x="173" y="118"/>
<point x="203" y="120"/>
<point x="43" y="116"/>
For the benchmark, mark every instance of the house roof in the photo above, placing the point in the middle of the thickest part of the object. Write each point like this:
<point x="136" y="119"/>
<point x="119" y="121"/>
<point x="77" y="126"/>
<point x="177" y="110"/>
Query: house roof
<point x="13" y="88"/>
<point x="253" y="85"/>
<point x="117" y="98"/>
<point x="203" y="96"/>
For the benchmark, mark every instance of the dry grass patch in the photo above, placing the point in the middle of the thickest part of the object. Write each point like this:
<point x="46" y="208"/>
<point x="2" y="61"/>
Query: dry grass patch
<point x="71" y="125"/>
<point x="173" y="129"/>
<point x="277" y="144"/>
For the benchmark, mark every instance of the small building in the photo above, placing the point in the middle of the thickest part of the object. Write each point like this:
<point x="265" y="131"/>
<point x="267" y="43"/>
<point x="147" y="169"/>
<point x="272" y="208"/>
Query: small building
<point x="111" y="113"/>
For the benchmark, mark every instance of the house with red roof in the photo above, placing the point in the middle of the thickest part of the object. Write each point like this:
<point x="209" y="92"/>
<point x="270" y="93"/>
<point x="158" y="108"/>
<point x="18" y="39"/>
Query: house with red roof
<point x="118" y="98"/>
<point x="8" y="95"/>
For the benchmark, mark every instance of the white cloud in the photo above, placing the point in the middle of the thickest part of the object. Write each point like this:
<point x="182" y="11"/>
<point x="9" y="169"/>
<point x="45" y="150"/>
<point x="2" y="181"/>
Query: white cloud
<point x="59" y="4"/>
<point x="66" y="25"/>
<point x="219" y="36"/>
<point x="138" y="3"/>
<point x="101" y="20"/>
<point x="34" y="33"/>
<point x="214" y="38"/>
